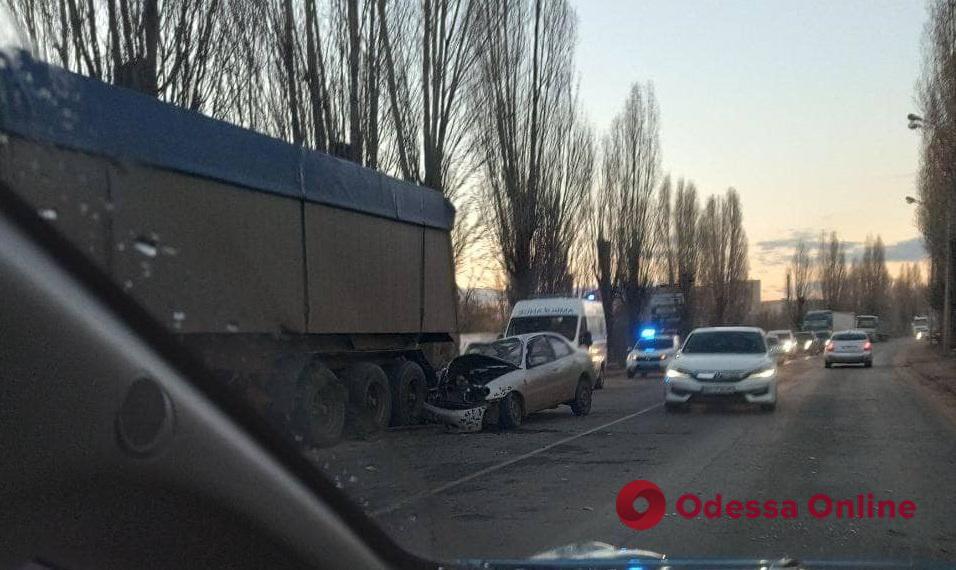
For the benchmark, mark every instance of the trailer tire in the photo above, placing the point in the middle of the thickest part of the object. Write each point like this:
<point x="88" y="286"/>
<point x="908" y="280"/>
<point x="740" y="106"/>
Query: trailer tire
<point x="370" y="399"/>
<point x="407" y="381"/>
<point x="318" y="413"/>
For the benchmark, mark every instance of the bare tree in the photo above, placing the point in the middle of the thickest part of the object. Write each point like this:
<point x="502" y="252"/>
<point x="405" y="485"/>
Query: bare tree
<point x="937" y="181"/>
<point x="525" y="99"/>
<point x="724" y="264"/>
<point x="832" y="271"/>
<point x="624" y="224"/>
<point x="686" y="246"/>
<point x="665" y="245"/>
<point x="800" y="272"/>
<point x="873" y="279"/>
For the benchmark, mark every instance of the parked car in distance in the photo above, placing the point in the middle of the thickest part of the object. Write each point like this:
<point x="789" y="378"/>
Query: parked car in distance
<point x="871" y="325"/>
<point x="849" y="347"/>
<point x="804" y="342"/>
<point x="580" y="321"/>
<point x="503" y="381"/>
<point x="788" y="344"/>
<point x="652" y="353"/>
<point x="722" y="364"/>
<point x="775" y="349"/>
<point x="820" y="339"/>
<point x="921" y="328"/>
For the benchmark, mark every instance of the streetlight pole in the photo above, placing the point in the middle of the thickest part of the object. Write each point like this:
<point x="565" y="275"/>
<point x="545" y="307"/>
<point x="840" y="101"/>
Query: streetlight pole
<point x="917" y="122"/>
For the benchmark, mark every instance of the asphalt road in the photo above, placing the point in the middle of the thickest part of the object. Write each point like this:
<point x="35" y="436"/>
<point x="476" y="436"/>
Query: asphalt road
<point x="840" y="432"/>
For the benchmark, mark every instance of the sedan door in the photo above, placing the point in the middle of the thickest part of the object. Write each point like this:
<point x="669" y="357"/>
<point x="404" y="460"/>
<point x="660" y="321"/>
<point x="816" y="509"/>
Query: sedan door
<point x="542" y="370"/>
<point x="568" y="371"/>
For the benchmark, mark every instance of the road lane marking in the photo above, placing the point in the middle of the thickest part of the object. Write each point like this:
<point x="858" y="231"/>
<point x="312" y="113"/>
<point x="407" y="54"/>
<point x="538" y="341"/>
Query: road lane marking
<point x="441" y="488"/>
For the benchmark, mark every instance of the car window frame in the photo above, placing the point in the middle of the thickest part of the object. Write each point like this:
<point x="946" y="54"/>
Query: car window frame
<point x="553" y="340"/>
<point x="529" y="345"/>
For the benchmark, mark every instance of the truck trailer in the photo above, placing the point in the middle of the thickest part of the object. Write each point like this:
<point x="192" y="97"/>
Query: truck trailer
<point x="825" y="320"/>
<point x="313" y="286"/>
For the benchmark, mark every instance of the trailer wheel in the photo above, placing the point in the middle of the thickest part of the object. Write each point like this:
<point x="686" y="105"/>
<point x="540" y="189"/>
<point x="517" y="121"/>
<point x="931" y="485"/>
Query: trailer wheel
<point x="318" y="415"/>
<point x="370" y="399"/>
<point x="408" y="392"/>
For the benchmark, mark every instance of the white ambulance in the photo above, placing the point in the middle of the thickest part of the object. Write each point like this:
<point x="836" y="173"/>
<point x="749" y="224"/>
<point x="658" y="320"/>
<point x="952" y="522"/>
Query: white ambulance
<point x="578" y="320"/>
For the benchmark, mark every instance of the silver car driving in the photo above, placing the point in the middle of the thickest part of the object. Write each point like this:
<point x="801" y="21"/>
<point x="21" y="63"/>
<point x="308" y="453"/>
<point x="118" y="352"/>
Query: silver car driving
<point x="503" y="381"/>
<point x="849" y="347"/>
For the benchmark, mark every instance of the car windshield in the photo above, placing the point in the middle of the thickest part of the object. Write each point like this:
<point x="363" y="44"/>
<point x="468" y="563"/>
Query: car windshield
<point x="565" y="326"/>
<point x="508" y="349"/>
<point x="663" y="343"/>
<point x="725" y="342"/>
<point x="325" y="204"/>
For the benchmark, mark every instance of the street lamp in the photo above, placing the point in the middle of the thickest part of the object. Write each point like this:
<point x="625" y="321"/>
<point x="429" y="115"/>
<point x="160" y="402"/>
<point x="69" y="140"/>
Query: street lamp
<point x="917" y="122"/>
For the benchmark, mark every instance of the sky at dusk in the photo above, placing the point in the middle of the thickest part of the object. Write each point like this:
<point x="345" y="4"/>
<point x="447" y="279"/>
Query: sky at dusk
<point x="800" y="105"/>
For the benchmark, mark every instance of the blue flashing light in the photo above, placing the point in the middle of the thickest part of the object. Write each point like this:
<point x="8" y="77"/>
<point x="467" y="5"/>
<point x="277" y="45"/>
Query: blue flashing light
<point x="648" y="333"/>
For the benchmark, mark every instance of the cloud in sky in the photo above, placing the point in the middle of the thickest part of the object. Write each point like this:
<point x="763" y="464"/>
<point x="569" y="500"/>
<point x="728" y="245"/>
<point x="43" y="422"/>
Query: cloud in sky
<point x="778" y="251"/>
<point x="906" y="250"/>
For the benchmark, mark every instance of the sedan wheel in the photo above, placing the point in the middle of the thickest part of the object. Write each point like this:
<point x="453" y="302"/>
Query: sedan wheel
<point x="510" y="411"/>
<point x="581" y="406"/>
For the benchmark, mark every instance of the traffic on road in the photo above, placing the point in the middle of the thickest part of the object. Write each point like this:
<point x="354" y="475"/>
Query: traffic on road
<point x="414" y="284"/>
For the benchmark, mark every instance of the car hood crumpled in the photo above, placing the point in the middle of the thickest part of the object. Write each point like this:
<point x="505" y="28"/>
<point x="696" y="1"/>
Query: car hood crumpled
<point x="465" y="364"/>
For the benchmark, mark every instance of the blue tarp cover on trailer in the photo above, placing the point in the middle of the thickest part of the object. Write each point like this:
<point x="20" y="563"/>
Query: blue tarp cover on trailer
<point x="48" y="104"/>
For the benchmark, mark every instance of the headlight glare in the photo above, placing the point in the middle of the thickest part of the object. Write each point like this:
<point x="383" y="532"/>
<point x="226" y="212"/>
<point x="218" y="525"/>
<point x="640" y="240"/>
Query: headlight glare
<point x="675" y="373"/>
<point x="765" y="373"/>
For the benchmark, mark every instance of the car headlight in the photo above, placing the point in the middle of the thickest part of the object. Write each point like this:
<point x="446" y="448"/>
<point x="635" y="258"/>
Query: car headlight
<point x="631" y="356"/>
<point x="663" y="357"/>
<point x="675" y="373"/>
<point x="765" y="373"/>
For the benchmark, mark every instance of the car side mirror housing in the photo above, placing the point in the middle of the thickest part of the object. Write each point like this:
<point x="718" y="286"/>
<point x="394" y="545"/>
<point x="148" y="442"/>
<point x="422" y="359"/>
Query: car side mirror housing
<point x="586" y="339"/>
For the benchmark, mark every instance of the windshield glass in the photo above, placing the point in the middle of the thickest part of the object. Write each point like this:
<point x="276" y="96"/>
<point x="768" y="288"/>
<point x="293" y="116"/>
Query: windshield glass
<point x="725" y="342"/>
<point x="508" y="349"/>
<point x="565" y="326"/>
<point x="654" y="344"/>
<point x="328" y="202"/>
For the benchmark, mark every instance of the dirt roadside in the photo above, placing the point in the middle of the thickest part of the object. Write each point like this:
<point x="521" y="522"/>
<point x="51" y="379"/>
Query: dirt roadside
<point x="921" y="365"/>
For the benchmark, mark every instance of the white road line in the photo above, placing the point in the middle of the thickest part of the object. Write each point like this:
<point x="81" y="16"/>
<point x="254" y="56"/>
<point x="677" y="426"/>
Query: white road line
<point x="441" y="488"/>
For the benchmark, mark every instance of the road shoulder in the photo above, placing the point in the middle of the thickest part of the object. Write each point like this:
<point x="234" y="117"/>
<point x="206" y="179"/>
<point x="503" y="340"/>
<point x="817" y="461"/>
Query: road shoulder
<point x="934" y="377"/>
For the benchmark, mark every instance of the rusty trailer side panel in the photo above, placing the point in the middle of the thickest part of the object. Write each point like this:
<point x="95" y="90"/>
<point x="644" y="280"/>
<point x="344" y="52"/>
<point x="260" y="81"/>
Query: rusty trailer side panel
<point x="234" y="231"/>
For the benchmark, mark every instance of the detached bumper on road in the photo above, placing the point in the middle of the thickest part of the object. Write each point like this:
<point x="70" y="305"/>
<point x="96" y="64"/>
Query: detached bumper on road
<point x="756" y="391"/>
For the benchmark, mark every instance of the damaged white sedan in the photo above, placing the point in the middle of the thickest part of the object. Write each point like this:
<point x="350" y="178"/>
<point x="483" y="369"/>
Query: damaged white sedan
<point x="503" y="381"/>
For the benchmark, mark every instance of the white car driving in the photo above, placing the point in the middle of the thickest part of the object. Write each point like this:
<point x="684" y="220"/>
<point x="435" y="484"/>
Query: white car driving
<point x="722" y="364"/>
<point x="652" y="353"/>
<point x="788" y="341"/>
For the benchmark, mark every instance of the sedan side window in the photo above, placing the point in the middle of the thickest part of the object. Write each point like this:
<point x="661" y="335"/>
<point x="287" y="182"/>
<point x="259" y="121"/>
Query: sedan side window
<point x="539" y="352"/>
<point x="560" y="348"/>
